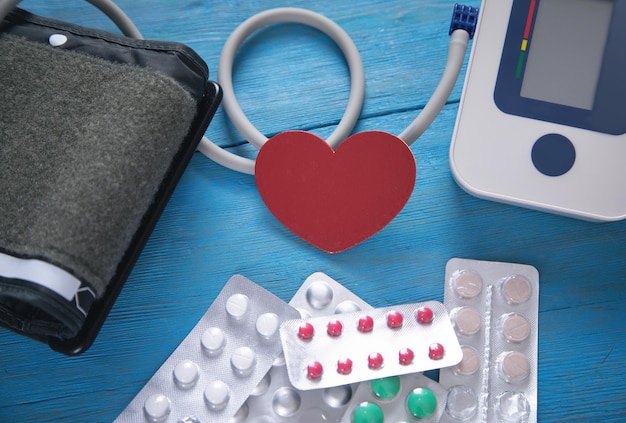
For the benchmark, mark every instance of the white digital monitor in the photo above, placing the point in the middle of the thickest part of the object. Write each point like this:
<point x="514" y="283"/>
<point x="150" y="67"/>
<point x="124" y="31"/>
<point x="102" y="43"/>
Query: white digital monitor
<point x="542" y="121"/>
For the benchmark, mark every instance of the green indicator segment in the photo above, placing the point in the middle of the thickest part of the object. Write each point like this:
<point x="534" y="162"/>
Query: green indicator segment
<point x="421" y="403"/>
<point x="368" y="412"/>
<point x="520" y="64"/>
<point x="386" y="387"/>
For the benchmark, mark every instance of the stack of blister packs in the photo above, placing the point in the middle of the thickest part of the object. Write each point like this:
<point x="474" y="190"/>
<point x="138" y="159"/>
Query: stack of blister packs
<point x="328" y="356"/>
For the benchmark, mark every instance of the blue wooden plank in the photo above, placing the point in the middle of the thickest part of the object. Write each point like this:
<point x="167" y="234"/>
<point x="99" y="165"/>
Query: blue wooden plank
<point x="216" y="224"/>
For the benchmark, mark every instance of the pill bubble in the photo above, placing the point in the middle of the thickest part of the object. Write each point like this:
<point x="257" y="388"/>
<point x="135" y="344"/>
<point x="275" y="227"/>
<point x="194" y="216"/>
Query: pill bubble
<point x="424" y="315"/>
<point x="513" y="366"/>
<point x="512" y="407"/>
<point x="515" y="289"/>
<point x="406" y="356"/>
<point x="466" y="320"/>
<point x="319" y="295"/>
<point x="314" y="370"/>
<point x="337" y="396"/>
<point x="286" y="402"/>
<point x="334" y="328"/>
<point x="213" y="341"/>
<point x="470" y="363"/>
<point x="243" y="361"/>
<point x="436" y="351"/>
<point x="306" y="331"/>
<point x="365" y="324"/>
<point x="385" y="388"/>
<point x="421" y="403"/>
<point x="368" y="412"/>
<point x="279" y="361"/>
<point x="394" y="319"/>
<point x="189" y="419"/>
<point x="344" y="366"/>
<point x="347" y="307"/>
<point x="515" y="328"/>
<point x="467" y="284"/>
<point x="262" y="386"/>
<point x="375" y="361"/>
<point x="186" y="374"/>
<point x="241" y="415"/>
<point x="217" y="395"/>
<point x="157" y="408"/>
<point x="461" y="403"/>
<point x="237" y="306"/>
<point x="267" y="325"/>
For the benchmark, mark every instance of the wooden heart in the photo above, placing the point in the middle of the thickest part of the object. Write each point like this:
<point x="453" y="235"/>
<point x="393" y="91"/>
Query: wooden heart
<point x="335" y="199"/>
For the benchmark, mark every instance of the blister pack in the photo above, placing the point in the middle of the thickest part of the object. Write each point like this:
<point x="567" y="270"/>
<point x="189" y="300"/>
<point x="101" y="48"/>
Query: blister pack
<point x="328" y="351"/>
<point x="494" y="310"/>
<point x="219" y="363"/>
<point x="405" y="398"/>
<point x="275" y="399"/>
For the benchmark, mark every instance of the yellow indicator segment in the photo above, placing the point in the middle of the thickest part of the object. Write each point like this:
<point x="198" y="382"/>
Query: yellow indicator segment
<point x="524" y="44"/>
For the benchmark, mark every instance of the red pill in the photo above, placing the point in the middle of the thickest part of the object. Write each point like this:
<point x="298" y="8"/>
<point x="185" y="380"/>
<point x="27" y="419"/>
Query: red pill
<point x="375" y="361"/>
<point x="366" y="324"/>
<point x="334" y="328"/>
<point x="406" y="356"/>
<point x="424" y="315"/>
<point x="305" y="331"/>
<point x="394" y="319"/>
<point x="344" y="366"/>
<point x="314" y="370"/>
<point x="435" y="351"/>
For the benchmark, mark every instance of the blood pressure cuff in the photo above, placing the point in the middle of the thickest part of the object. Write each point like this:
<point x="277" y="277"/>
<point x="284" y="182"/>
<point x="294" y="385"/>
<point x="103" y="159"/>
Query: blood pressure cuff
<point x="95" y="132"/>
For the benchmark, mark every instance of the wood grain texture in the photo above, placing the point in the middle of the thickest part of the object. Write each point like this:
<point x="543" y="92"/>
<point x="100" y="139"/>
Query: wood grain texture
<point x="291" y="77"/>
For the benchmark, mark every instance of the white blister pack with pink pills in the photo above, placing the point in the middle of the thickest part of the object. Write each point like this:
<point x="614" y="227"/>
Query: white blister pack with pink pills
<point x="328" y="351"/>
<point x="219" y="363"/>
<point x="494" y="310"/>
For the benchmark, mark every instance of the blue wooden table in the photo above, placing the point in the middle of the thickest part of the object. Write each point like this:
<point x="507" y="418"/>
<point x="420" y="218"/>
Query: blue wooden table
<point x="216" y="225"/>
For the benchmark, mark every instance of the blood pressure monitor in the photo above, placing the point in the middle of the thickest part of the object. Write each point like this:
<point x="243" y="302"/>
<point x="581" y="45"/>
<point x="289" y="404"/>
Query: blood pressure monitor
<point x="542" y="118"/>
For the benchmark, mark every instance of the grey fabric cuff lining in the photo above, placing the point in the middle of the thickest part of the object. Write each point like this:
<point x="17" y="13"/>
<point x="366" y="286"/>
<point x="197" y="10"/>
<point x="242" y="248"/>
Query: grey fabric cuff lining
<point x="84" y="145"/>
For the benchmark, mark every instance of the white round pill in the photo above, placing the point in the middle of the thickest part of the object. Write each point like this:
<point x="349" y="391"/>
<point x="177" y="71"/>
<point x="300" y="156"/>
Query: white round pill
<point x="237" y="305"/>
<point x="186" y="374"/>
<point x="267" y="324"/>
<point x="213" y="341"/>
<point x="243" y="361"/>
<point x="157" y="408"/>
<point x="217" y="395"/>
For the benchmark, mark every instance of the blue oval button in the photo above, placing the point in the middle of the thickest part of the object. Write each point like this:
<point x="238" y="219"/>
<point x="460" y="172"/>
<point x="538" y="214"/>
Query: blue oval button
<point x="553" y="155"/>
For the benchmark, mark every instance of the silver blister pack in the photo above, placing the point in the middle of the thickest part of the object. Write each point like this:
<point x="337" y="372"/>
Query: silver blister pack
<point x="219" y="363"/>
<point x="328" y="351"/>
<point x="275" y="399"/>
<point x="405" y="398"/>
<point x="494" y="309"/>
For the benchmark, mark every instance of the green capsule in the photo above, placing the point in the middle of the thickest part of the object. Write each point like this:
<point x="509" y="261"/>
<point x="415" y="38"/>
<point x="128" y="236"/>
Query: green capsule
<point x="421" y="403"/>
<point x="368" y="412"/>
<point x="386" y="387"/>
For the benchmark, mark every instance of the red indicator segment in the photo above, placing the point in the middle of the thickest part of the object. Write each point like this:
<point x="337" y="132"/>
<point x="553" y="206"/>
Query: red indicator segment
<point x="529" y="22"/>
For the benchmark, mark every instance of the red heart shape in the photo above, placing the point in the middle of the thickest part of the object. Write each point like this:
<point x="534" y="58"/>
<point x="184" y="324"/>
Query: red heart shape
<point x="335" y="199"/>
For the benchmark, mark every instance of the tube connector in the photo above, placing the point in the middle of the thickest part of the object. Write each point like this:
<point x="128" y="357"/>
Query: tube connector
<point x="465" y="18"/>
